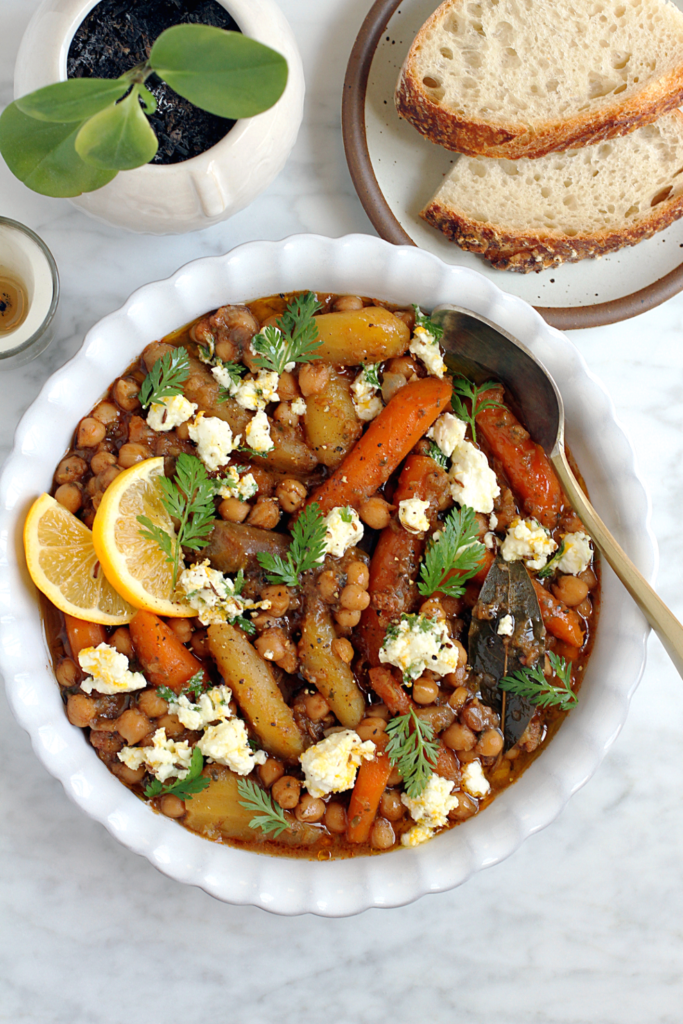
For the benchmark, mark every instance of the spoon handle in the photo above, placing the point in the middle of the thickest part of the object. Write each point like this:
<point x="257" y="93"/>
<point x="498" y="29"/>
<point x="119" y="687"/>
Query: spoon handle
<point x="665" y="624"/>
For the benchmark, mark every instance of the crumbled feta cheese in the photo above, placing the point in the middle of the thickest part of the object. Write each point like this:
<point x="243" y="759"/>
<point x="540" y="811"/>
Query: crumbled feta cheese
<point x="416" y="835"/>
<point x="577" y="554"/>
<point x="256" y="392"/>
<point x="212" y="706"/>
<point x="344" y="529"/>
<point x="224" y="378"/>
<point x="431" y="807"/>
<point x="474" y="781"/>
<point x="258" y="433"/>
<point x="411" y="514"/>
<point x="506" y="626"/>
<point x="108" y="671"/>
<point x="448" y="432"/>
<point x="330" y="766"/>
<point x="489" y="540"/>
<point x="417" y="643"/>
<point x="288" y="367"/>
<point x="170" y="413"/>
<point x="163" y="759"/>
<point x="473" y="482"/>
<point x="366" y="402"/>
<point x="425" y="346"/>
<point x="298" y="406"/>
<point x="214" y="440"/>
<point x="527" y="539"/>
<point x="212" y="595"/>
<point x="493" y="521"/>
<point x="228" y="743"/>
<point x="232" y="485"/>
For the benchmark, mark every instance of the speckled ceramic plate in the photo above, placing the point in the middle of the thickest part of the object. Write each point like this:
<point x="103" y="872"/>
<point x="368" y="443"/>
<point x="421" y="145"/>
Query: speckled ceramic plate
<point x="395" y="171"/>
<point x="355" y="264"/>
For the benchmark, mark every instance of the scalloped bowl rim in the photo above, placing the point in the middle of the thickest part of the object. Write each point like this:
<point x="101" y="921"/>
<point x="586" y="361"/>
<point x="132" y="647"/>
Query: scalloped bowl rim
<point x="352" y="264"/>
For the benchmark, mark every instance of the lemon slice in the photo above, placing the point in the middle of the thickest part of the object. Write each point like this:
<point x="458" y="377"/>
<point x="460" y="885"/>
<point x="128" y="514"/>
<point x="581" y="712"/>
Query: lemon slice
<point x="134" y="565"/>
<point x="63" y="564"/>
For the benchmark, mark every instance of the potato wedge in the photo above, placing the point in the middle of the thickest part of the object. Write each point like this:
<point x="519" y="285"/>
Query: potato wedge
<point x="321" y="666"/>
<point x="332" y="425"/>
<point x="368" y="335"/>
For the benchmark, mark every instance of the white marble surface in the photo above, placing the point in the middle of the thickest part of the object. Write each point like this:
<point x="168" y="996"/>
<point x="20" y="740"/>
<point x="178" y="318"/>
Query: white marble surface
<point x="582" y="924"/>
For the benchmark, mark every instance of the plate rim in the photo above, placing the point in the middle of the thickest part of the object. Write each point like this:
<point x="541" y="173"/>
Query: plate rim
<point x="354" y="134"/>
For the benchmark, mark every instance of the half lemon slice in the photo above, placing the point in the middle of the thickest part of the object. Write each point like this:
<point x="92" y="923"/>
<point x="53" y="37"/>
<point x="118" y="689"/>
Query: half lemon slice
<point x="133" y="564"/>
<point x="63" y="564"/>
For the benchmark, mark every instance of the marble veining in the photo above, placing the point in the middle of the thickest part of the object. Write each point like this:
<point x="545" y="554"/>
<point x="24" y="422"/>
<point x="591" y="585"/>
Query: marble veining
<point x="582" y="924"/>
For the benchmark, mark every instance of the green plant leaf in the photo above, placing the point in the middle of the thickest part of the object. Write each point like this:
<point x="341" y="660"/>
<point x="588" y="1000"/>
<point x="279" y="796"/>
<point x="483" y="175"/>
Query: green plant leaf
<point x="223" y="72"/>
<point x="73" y="100"/>
<point x="119" y="138"/>
<point x="42" y="154"/>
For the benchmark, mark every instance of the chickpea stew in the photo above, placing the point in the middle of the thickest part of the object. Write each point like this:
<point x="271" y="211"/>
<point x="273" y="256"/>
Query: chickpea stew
<point x="307" y="592"/>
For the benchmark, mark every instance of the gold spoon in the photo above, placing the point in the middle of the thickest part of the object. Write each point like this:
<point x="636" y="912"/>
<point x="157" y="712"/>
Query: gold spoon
<point x="479" y="349"/>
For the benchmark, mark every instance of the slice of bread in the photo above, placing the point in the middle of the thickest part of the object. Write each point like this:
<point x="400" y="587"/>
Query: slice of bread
<point x="522" y="78"/>
<point x="534" y="214"/>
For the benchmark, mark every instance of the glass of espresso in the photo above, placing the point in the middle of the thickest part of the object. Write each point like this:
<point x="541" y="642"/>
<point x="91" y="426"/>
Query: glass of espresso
<point x="29" y="293"/>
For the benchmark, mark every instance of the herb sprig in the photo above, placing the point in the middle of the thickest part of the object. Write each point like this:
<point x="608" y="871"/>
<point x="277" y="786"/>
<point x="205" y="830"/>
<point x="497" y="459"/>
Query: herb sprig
<point x="235" y="372"/>
<point x="412" y="749"/>
<point x="423" y="321"/>
<point x="550" y="567"/>
<point x="194" y="687"/>
<point x="189" y="498"/>
<point x="533" y="685"/>
<point x="269" y="817"/>
<point x="166" y="378"/>
<point x="434" y="452"/>
<point x="194" y="782"/>
<point x="371" y="374"/>
<point x="306" y="550"/>
<point x="456" y="547"/>
<point x="293" y="340"/>
<point x="467" y="389"/>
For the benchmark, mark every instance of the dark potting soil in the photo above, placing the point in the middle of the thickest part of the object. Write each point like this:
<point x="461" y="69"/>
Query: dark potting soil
<point x="118" y="34"/>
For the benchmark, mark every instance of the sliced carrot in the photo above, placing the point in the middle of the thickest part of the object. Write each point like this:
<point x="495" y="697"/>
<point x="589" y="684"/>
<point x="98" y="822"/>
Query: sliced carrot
<point x="385" y="443"/>
<point x="369" y="636"/>
<point x="164" y="659"/>
<point x="83" y="634"/>
<point x="389" y="690"/>
<point x="526" y="465"/>
<point x="371" y="782"/>
<point x="564" y="623"/>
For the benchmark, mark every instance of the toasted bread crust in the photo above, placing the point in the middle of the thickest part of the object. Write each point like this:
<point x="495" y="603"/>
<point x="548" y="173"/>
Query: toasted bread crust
<point x="525" y="251"/>
<point x="516" y="140"/>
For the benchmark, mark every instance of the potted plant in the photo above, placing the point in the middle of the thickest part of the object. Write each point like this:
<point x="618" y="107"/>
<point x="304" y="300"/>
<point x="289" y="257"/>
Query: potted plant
<point x="103" y="123"/>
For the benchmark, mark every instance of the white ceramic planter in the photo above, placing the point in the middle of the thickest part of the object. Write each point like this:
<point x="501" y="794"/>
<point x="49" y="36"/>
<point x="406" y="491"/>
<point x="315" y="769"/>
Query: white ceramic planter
<point x="175" y="198"/>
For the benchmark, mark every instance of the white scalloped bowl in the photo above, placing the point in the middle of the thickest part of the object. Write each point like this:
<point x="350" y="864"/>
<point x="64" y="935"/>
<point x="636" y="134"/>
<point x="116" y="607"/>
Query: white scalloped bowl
<point x="355" y="264"/>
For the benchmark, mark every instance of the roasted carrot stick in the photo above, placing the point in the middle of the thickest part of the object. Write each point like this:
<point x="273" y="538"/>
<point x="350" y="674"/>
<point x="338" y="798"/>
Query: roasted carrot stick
<point x="386" y="442"/>
<point x="562" y="622"/>
<point x="164" y="659"/>
<point x="528" y="468"/>
<point x="83" y="634"/>
<point x="371" y="782"/>
<point x="387" y="687"/>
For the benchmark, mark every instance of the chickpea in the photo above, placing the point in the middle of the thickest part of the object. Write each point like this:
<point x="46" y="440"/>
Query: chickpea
<point x="286" y="792"/>
<point x="403" y="365"/>
<point x="270" y="771"/>
<point x="459" y="737"/>
<point x="102" y="460"/>
<point x="133" y="725"/>
<point x="284" y="415"/>
<point x="358" y="575"/>
<point x="120" y="639"/>
<point x="272" y="644"/>
<point x="382" y="835"/>
<point x="233" y="510"/>
<point x="313" y="378"/>
<point x="439" y="717"/>
<point x="70" y="469"/>
<point x="225" y="350"/>
<point x="290" y="661"/>
<point x="129" y="776"/>
<point x="570" y="590"/>
<point x="90" y="433"/>
<point x="316" y="706"/>
<point x="328" y="585"/>
<point x="391" y="383"/>
<point x="130" y="454"/>
<point x="288" y="387"/>
<point x="106" y="413"/>
<point x="376" y="512"/>
<point x="126" y="392"/>
<point x="459" y="697"/>
<point x="172" y="725"/>
<point x="343" y="649"/>
<point x="395" y="777"/>
<point x="67" y="672"/>
<point x="105" y="742"/>
<point x="425" y="690"/>
<point x="278" y="597"/>
<point x="347" y="619"/>
<point x="390" y="806"/>
<point x="371" y="729"/>
<point x="466" y="807"/>
<point x="265" y="513"/>
<point x="80" y="709"/>
<point x="172" y="806"/>
<point x="354" y="598"/>
<point x="407" y="316"/>
<point x="69" y="497"/>
<point x="474" y="716"/>
<point x="155" y="351"/>
<point x="585" y="609"/>
<point x="106" y="477"/>
<point x="310" y="808"/>
<point x="490" y="743"/>
<point x="151" y="704"/>
<point x="335" y="818"/>
<point x="199" y="641"/>
<point x="347" y="302"/>
<point x="380" y="711"/>
<point x="181" y="628"/>
<point x="291" y="494"/>
<point x="589" y="578"/>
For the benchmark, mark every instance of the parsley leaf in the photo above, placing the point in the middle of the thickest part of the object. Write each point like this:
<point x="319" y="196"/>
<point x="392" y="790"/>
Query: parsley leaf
<point x="305" y="552"/>
<point x="235" y="372"/>
<point x="456" y="547"/>
<point x="294" y="340"/>
<point x="194" y="686"/>
<point x="422" y="320"/>
<point x="371" y="375"/>
<point x="184" y="789"/>
<point x="412" y="749"/>
<point x="270" y="817"/>
<point x="435" y="453"/>
<point x="533" y="685"/>
<point x="466" y="389"/>
<point x="166" y="378"/>
<point x="550" y="567"/>
<point x="189" y="498"/>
